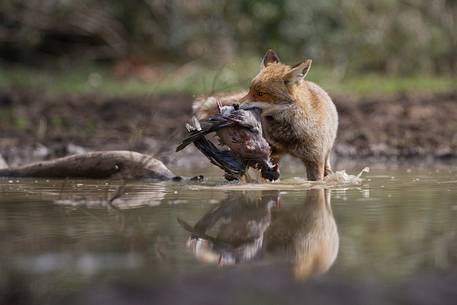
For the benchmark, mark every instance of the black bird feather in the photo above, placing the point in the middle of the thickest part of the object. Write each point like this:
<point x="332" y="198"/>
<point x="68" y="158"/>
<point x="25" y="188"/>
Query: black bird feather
<point x="239" y="129"/>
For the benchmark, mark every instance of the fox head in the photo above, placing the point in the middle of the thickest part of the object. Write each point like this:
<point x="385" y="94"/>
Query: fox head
<point x="276" y="84"/>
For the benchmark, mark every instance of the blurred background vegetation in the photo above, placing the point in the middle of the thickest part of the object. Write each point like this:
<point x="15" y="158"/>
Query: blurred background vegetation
<point x="198" y="46"/>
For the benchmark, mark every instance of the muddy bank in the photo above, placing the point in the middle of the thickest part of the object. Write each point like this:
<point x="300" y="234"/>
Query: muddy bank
<point x="35" y="126"/>
<point x="401" y="126"/>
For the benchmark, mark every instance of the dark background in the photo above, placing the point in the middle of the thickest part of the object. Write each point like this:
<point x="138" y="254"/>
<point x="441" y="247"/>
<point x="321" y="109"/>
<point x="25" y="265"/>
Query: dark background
<point x="388" y="36"/>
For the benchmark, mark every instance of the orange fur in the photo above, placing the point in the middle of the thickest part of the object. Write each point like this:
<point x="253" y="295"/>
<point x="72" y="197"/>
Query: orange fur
<point x="205" y="106"/>
<point x="299" y="117"/>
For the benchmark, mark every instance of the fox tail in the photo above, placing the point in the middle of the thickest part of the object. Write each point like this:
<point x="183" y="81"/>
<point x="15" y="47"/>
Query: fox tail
<point x="205" y="106"/>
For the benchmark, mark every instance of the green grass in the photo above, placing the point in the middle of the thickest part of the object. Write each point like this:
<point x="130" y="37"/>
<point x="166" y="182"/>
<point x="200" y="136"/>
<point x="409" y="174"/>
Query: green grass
<point x="375" y="84"/>
<point x="198" y="79"/>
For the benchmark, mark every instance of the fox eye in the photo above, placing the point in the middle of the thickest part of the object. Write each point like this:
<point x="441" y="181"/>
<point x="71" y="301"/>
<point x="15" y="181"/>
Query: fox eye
<point x="258" y="93"/>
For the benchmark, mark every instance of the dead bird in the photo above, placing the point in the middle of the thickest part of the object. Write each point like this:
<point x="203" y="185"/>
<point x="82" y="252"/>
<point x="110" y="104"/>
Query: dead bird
<point x="241" y="131"/>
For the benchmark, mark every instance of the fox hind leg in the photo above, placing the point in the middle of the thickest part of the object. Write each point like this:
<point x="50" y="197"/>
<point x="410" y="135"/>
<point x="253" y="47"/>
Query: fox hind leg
<point x="328" y="167"/>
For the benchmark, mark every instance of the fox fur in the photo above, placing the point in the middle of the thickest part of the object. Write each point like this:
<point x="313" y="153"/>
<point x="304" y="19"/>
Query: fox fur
<point x="298" y="117"/>
<point x="206" y="106"/>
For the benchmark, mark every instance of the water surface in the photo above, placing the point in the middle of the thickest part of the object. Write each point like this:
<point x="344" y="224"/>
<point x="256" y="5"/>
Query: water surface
<point x="57" y="236"/>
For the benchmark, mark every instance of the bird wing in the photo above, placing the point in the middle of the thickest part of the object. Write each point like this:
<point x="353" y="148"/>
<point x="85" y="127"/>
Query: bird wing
<point x="239" y="118"/>
<point x="208" y="127"/>
<point x="223" y="159"/>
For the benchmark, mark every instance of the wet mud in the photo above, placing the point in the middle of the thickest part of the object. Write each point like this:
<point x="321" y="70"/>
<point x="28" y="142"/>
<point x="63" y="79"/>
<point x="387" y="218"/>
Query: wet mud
<point x="35" y="126"/>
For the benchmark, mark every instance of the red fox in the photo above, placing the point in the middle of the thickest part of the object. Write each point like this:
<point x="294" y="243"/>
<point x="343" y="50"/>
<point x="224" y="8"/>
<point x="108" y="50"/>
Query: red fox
<point x="298" y="116"/>
<point x="248" y="228"/>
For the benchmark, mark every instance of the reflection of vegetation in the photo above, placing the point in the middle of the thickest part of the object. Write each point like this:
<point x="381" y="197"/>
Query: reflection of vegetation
<point x="198" y="79"/>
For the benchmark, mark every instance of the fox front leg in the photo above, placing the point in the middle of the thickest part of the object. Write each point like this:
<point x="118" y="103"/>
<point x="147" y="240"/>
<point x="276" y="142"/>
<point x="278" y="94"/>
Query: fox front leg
<point x="315" y="169"/>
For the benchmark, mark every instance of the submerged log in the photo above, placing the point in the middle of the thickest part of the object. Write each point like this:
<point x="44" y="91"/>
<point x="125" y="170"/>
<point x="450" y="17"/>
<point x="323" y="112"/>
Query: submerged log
<point x="96" y="165"/>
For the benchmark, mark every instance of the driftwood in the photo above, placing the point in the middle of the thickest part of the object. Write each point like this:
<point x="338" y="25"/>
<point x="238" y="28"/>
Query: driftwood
<point x="96" y="165"/>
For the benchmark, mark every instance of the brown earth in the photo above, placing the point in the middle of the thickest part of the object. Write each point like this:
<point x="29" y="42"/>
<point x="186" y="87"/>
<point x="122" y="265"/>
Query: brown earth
<point x="402" y="126"/>
<point x="35" y="126"/>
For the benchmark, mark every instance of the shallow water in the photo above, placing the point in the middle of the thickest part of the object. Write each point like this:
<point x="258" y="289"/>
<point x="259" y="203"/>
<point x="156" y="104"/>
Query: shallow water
<point x="57" y="236"/>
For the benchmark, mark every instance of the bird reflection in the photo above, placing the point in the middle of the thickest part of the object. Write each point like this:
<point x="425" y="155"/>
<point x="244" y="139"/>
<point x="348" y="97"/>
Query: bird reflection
<point x="245" y="228"/>
<point x="240" y="222"/>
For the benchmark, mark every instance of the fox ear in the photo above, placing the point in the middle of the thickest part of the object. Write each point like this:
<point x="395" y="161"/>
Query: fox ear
<point x="297" y="72"/>
<point x="269" y="58"/>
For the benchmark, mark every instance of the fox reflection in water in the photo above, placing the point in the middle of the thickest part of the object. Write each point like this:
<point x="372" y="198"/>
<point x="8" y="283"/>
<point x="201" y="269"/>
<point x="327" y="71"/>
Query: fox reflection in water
<point x="249" y="229"/>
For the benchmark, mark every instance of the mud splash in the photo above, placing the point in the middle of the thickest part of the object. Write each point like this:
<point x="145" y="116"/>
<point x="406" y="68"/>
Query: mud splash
<point x="335" y="180"/>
